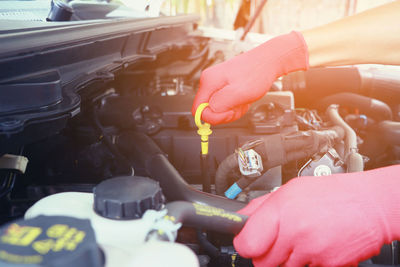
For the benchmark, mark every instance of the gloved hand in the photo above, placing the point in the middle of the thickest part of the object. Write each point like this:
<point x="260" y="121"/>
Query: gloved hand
<point x="231" y="86"/>
<point x="336" y="220"/>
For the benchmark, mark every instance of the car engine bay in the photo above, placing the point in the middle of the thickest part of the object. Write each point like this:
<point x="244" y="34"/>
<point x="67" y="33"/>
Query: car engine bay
<point x="131" y="123"/>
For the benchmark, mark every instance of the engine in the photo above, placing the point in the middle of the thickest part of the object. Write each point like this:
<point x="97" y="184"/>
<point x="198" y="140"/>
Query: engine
<point x="137" y="130"/>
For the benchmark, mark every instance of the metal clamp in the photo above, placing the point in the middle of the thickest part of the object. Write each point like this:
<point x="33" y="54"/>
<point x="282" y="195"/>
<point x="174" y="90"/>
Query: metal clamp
<point x="162" y="226"/>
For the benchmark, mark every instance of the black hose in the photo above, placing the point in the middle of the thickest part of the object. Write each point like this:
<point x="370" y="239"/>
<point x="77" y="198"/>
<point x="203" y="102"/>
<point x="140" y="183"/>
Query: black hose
<point x="317" y="83"/>
<point x="371" y="107"/>
<point x="279" y="149"/>
<point x="199" y="66"/>
<point x="110" y="145"/>
<point x="206" y="217"/>
<point x="142" y="149"/>
<point x="8" y="185"/>
<point x="202" y="54"/>
<point x="354" y="160"/>
<point x="208" y="247"/>
<point x="10" y="179"/>
<point x="313" y="139"/>
<point x="223" y="171"/>
<point x="321" y="82"/>
<point x="176" y="188"/>
<point x="389" y="131"/>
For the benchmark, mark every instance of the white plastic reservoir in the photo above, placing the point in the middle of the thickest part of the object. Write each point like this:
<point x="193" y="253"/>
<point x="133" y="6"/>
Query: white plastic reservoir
<point x="123" y="241"/>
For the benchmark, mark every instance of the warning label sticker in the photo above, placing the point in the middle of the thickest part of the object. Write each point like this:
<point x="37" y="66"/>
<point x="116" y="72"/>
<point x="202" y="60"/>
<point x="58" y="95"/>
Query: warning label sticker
<point x="44" y="238"/>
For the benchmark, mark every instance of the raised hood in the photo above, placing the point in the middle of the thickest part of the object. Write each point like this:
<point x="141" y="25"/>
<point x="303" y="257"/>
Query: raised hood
<point x="44" y="66"/>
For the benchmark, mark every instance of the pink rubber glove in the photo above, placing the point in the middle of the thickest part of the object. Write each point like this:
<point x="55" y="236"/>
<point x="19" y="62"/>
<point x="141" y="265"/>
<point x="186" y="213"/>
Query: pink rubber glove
<point x="335" y="220"/>
<point x="231" y="86"/>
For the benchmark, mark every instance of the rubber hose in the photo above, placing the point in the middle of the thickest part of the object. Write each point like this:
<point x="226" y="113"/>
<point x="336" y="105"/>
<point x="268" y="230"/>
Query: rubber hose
<point x="307" y="139"/>
<point x="317" y="83"/>
<point x="221" y="176"/>
<point x="371" y="107"/>
<point x="389" y="131"/>
<point x="206" y="217"/>
<point x="142" y="149"/>
<point x="350" y="134"/>
<point x="110" y="145"/>
<point x="208" y="247"/>
<point x="354" y="163"/>
<point x="320" y="82"/>
<point x="280" y="149"/>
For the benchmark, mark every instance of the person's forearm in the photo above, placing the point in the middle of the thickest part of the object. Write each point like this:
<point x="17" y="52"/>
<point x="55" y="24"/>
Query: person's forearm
<point x="372" y="36"/>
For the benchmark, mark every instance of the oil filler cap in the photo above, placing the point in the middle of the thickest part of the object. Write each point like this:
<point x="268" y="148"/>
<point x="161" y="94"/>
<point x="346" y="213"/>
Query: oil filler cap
<point x="127" y="197"/>
<point x="46" y="241"/>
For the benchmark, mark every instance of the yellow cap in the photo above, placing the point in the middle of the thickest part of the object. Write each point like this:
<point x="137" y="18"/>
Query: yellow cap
<point x="204" y="128"/>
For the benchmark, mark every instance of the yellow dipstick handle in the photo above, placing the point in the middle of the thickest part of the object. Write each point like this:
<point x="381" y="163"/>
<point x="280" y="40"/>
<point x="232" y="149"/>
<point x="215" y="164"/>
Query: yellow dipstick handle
<point x="204" y="128"/>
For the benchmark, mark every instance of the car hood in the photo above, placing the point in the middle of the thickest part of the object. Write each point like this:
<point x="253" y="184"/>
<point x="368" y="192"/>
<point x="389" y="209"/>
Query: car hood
<point x="45" y="65"/>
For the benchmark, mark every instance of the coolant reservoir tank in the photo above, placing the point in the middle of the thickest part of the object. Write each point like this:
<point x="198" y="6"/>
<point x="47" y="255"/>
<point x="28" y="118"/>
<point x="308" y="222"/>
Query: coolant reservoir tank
<point x="115" y="211"/>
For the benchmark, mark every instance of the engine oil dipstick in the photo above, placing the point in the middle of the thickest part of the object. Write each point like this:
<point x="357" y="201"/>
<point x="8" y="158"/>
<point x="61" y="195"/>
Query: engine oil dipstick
<point x="204" y="128"/>
<point x="204" y="131"/>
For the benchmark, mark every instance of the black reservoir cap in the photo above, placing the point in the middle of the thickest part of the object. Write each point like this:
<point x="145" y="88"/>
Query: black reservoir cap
<point x="127" y="197"/>
<point x="48" y="241"/>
